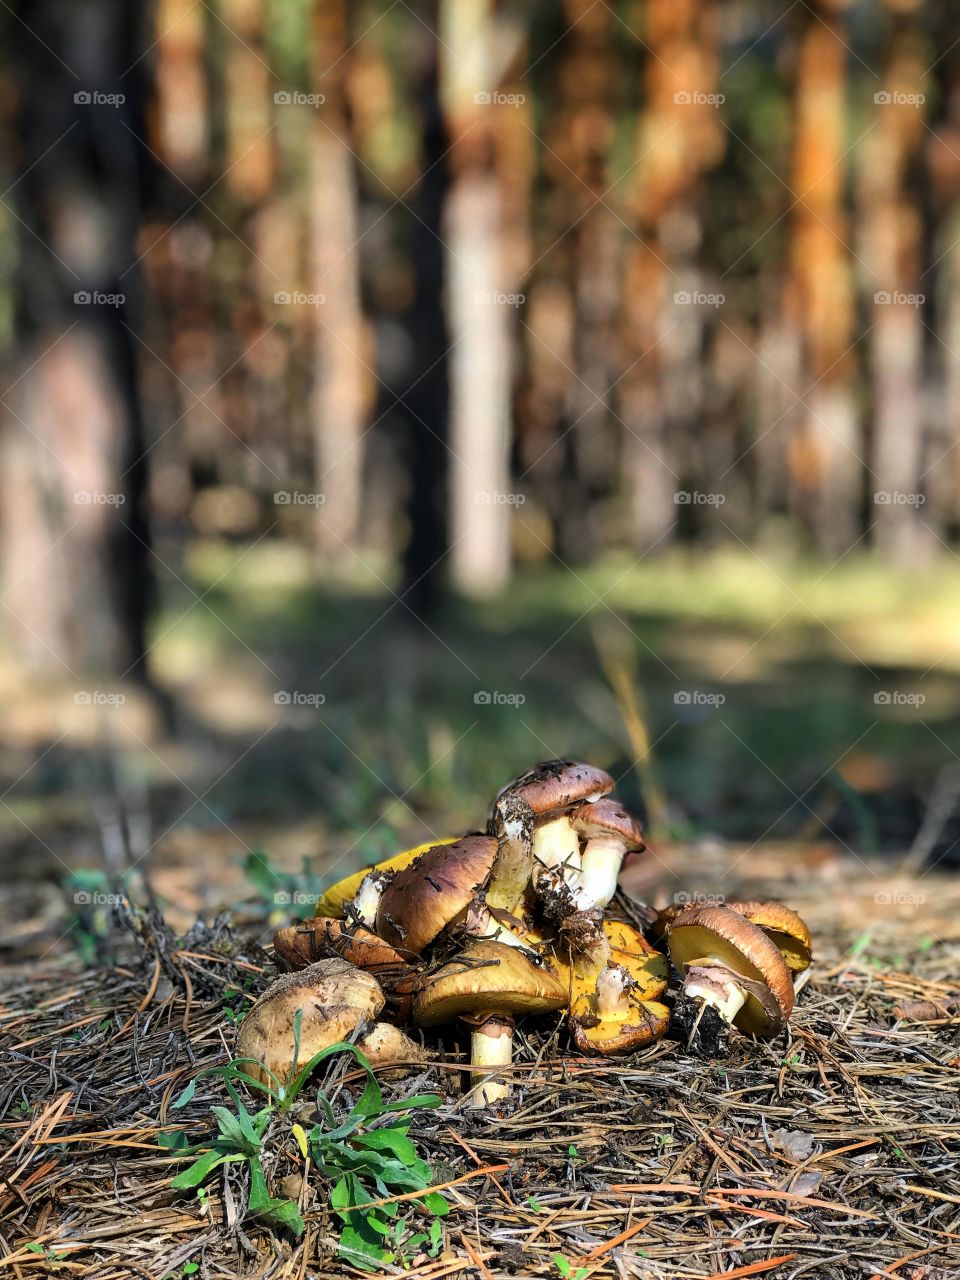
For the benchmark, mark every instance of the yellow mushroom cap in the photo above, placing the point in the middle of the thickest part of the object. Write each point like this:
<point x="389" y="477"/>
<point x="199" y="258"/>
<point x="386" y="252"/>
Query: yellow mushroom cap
<point x="334" y="998"/>
<point x="644" y="1018"/>
<point x="700" y="934"/>
<point x="338" y="895"/>
<point x="783" y="926"/>
<point x="488" y="978"/>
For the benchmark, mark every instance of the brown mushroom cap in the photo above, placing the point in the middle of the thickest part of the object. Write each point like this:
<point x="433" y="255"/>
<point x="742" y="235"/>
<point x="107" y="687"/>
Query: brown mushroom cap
<point x="557" y="784"/>
<point x="334" y="899"/>
<point x="334" y="998"/>
<point x="488" y="978"/>
<point x="426" y="896"/>
<point x="784" y="927"/>
<point x="644" y="1020"/>
<point x="608" y="817"/>
<point x="741" y="947"/>
<point x="307" y="942"/>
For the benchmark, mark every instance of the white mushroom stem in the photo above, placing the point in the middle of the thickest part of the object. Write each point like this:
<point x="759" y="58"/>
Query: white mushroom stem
<point x="491" y="1046"/>
<point x="601" y="862"/>
<point x="613" y="990"/>
<point x="480" y="922"/>
<point x="593" y="955"/>
<point x="366" y="902"/>
<point x="556" y="847"/>
<point x="712" y="982"/>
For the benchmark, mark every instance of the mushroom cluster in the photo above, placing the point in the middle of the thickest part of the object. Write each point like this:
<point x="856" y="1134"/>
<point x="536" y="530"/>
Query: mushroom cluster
<point x="511" y="922"/>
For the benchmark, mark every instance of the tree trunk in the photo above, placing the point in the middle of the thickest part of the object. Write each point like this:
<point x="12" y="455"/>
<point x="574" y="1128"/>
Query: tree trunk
<point x="74" y="463"/>
<point x="480" y="316"/>
<point x="342" y="393"/>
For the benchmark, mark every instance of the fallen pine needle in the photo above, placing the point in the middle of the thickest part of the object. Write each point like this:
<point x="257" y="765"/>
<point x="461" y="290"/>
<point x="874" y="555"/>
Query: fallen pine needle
<point x="752" y="1268"/>
<point x="441" y="1186"/>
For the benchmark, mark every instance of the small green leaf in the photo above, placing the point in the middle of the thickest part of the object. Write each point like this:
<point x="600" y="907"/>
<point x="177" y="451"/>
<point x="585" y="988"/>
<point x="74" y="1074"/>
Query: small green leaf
<point x="562" y="1265"/>
<point x="434" y="1203"/>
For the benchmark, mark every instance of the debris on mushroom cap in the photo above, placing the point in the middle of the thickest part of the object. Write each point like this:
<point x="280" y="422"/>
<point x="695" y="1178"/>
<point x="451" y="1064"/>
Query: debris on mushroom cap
<point x="333" y="901"/>
<point x="620" y="1009"/>
<point x="488" y="977"/>
<point x="713" y="945"/>
<point x="426" y="896"/>
<point x="783" y="926"/>
<point x="557" y="784"/>
<point x="335" y="998"/>
<point x="307" y="942"/>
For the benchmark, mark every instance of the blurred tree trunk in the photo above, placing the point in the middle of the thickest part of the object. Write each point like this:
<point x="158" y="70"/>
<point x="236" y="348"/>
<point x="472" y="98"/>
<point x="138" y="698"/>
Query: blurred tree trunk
<point x="342" y="394"/>
<point x="679" y="140"/>
<point x="425" y="400"/>
<point x="76" y="565"/>
<point x="890" y="232"/>
<point x="479" y="318"/>
<point x="828" y="452"/>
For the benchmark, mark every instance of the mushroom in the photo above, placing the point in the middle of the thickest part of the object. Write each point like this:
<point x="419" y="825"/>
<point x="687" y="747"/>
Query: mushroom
<point x="308" y="941"/>
<point x="731" y="966"/>
<point x="441" y="889"/>
<point x="782" y="926"/>
<point x="611" y="833"/>
<point x="334" y="900"/>
<point x="486" y="987"/>
<point x="547" y="788"/>
<point x="334" y="998"/>
<point x="621" y="1010"/>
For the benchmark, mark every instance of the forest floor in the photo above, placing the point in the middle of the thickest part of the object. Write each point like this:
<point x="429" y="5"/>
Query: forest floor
<point x="828" y="776"/>
<point x="832" y="1151"/>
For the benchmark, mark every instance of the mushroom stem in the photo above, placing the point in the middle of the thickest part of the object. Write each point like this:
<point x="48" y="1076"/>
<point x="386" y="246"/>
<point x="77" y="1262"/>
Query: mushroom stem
<point x="602" y="859"/>
<point x="613" y="990"/>
<point x="366" y="901"/>
<point x="556" y="847"/>
<point x="513" y="827"/>
<point x="491" y="1046"/>
<point x="481" y="923"/>
<point x="715" y="986"/>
